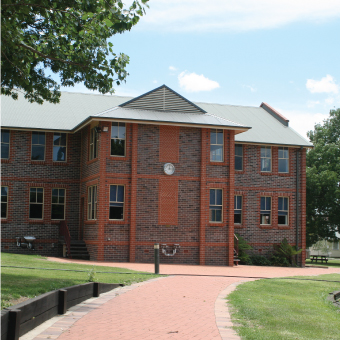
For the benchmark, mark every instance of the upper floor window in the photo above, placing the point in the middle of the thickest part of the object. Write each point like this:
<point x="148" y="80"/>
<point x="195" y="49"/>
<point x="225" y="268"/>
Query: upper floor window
<point x="38" y="146"/>
<point x="93" y="143"/>
<point x="266" y="158"/>
<point x="4" y="202"/>
<point x="215" y="207"/>
<point x="92" y="203"/>
<point x="266" y="210"/>
<point x="116" y="202"/>
<point x="59" y="147"/>
<point x="58" y="204"/>
<point x="118" y="131"/>
<point x="238" y="157"/>
<point x="238" y="209"/>
<point x="283" y="211"/>
<point x="283" y="159"/>
<point x="36" y="203"/>
<point x="216" y="145"/>
<point x="5" y="144"/>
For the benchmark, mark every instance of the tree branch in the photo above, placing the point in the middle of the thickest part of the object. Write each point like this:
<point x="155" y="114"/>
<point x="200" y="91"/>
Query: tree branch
<point x="22" y="73"/>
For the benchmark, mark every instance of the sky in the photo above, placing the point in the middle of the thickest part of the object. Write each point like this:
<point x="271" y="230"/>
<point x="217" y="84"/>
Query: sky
<point x="240" y="52"/>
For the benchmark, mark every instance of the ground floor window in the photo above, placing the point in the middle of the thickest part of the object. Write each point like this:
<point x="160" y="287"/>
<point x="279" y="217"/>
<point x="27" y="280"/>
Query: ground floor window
<point x="215" y="207"/>
<point x="4" y="202"/>
<point x="238" y="209"/>
<point x="283" y="211"/>
<point x="92" y="203"/>
<point x="116" y="202"/>
<point x="36" y="203"/>
<point x="265" y="214"/>
<point x="58" y="204"/>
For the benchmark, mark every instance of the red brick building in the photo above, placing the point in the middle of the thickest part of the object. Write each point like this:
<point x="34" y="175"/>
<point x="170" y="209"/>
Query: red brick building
<point x="126" y="173"/>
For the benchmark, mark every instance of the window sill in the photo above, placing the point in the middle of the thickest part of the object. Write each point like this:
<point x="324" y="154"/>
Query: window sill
<point x="4" y="220"/>
<point x="118" y="158"/>
<point x="239" y="172"/>
<point x="217" y="163"/>
<point x="117" y="222"/>
<point x="92" y="161"/>
<point x="266" y="173"/>
<point x="263" y="226"/>
<point x="216" y="224"/>
<point x="38" y="162"/>
<point x="286" y="174"/>
<point x="91" y="222"/>
<point x="56" y="221"/>
<point x="36" y="222"/>
<point x="5" y="160"/>
<point x="60" y="163"/>
<point x="283" y="227"/>
<point x="239" y="226"/>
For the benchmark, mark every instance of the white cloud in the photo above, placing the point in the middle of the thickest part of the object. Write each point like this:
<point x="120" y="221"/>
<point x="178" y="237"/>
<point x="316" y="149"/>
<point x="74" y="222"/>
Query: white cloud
<point x="325" y="85"/>
<point x="312" y="103"/>
<point x="192" y="82"/>
<point x="172" y="68"/>
<point x="251" y="88"/>
<point x="239" y="15"/>
<point x="329" y="101"/>
<point x="155" y="81"/>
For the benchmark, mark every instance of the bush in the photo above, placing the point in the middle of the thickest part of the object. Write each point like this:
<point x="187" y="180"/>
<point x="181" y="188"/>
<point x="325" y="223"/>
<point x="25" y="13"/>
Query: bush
<point x="242" y="247"/>
<point x="279" y="261"/>
<point x="260" y="260"/>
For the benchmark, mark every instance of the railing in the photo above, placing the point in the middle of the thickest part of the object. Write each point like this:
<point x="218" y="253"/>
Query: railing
<point x="63" y="231"/>
<point x="235" y="245"/>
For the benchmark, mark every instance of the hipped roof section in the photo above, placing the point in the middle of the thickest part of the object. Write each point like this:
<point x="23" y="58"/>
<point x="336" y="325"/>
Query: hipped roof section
<point x="77" y="109"/>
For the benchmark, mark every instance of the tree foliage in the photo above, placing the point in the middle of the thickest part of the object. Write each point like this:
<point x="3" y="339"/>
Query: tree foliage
<point x="323" y="180"/>
<point x="66" y="37"/>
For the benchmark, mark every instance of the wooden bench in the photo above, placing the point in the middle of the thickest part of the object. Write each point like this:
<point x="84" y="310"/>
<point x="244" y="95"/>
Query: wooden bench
<point x="319" y="257"/>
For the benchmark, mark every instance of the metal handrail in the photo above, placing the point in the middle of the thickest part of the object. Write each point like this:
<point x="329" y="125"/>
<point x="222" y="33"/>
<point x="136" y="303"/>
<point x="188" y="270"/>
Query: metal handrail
<point x="235" y="244"/>
<point x="63" y="231"/>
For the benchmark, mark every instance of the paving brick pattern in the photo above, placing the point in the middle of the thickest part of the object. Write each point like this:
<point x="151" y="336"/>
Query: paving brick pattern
<point x="174" y="307"/>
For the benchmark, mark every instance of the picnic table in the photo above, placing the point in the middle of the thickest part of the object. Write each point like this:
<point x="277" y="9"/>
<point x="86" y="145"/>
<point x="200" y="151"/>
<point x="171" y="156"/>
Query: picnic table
<point x="319" y="257"/>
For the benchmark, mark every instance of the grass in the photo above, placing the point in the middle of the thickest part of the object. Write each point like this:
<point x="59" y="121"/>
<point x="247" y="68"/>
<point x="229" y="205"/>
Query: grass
<point x="18" y="283"/>
<point x="283" y="309"/>
<point x="331" y="263"/>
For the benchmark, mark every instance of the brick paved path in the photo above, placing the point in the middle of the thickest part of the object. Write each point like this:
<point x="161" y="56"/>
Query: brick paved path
<point x="174" y="307"/>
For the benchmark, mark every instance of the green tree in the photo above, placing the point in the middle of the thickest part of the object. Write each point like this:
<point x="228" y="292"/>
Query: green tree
<point x="66" y="37"/>
<point x="323" y="180"/>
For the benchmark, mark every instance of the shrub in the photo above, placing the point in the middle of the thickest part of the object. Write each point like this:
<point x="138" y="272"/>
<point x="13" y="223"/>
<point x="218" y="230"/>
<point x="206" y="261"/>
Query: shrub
<point x="279" y="261"/>
<point x="285" y="250"/>
<point x="260" y="260"/>
<point x="243" y="245"/>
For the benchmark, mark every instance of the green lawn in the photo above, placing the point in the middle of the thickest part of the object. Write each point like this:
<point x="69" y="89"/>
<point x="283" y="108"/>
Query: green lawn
<point x="283" y="309"/>
<point x="18" y="282"/>
<point x="330" y="263"/>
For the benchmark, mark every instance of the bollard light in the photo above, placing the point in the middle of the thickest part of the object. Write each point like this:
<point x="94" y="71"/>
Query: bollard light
<point x="156" y="248"/>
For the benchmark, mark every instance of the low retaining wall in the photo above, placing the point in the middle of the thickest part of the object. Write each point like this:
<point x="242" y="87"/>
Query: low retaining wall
<point x="23" y="317"/>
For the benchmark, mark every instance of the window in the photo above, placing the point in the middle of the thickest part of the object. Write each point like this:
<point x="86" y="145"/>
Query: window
<point x="38" y="146"/>
<point x="4" y="201"/>
<point x="335" y="245"/>
<point x="59" y="147"/>
<point x="92" y="203"/>
<point x="283" y="211"/>
<point x="238" y="209"/>
<point x="36" y="203"/>
<point x="265" y="214"/>
<point x="93" y="143"/>
<point x="118" y="139"/>
<point x="283" y="159"/>
<point x="58" y="204"/>
<point x="5" y="144"/>
<point x="238" y="157"/>
<point x="216" y="145"/>
<point x="266" y="158"/>
<point x="215" y="208"/>
<point x="116" y="202"/>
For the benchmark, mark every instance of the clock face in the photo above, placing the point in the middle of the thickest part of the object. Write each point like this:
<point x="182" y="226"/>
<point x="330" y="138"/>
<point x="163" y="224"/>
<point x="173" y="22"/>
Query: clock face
<point x="169" y="168"/>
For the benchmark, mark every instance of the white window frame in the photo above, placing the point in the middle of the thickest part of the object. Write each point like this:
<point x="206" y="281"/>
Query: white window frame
<point x="116" y="201"/>
<point x="284" y="158"/>
<point x="9" y="142"/>
<point x="212" y="206"/>
<point x="237" y="144"/>
<point x="64" y="204"/>
<point x="287" y="211"/>
<point x="60" y="145"/>
<point x="212" y="155"/>
<point x="42" y="203"/>
<point x="3" y="202"/>
<point x="94" y="141"/>
<point x="238" y="208"/>
<point x="38" y="160"/>
<point x="264" y="158"/>
<point x="92" y="199"/>
<point x="118" y="138"/>
<point x="267" y="211"/>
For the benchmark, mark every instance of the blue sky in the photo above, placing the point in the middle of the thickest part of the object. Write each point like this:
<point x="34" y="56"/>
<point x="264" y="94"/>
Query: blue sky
<point x="244" y="52"/>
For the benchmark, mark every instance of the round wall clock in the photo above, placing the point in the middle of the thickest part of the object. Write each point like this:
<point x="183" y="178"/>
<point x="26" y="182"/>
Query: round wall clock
<point x="169" y="168"/>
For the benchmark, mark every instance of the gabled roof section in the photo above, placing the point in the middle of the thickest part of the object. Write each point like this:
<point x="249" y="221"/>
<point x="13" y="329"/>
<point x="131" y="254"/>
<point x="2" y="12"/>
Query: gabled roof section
<point x="282" y="119"/>
<point x="162" y="99"/>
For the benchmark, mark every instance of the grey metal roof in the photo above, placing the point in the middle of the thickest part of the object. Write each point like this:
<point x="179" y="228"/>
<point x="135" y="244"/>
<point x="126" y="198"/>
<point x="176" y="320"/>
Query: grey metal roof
<point x="172" y="117"/>
<point x="75" y="108"/>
